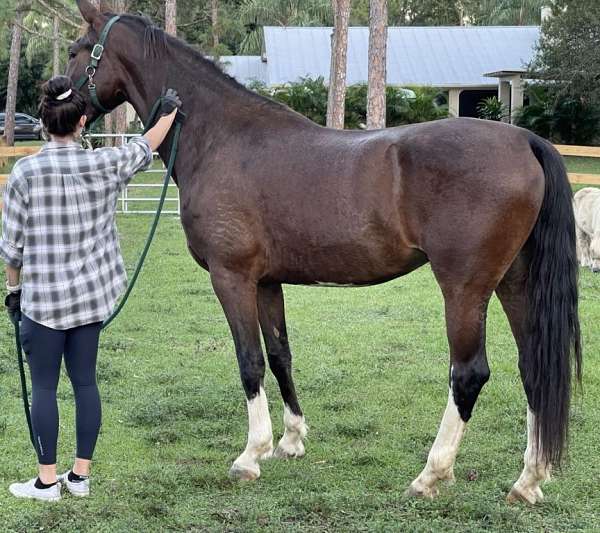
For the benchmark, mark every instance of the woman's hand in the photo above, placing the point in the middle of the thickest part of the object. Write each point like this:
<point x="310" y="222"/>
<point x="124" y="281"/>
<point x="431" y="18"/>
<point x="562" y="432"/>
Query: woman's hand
<point x="169" y="105"/>
<point x="169" y="102"/>
<point x="13" y="306"/>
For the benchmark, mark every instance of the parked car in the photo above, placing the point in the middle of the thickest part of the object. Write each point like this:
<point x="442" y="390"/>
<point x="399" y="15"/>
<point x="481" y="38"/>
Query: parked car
<point x="27" y="128"/>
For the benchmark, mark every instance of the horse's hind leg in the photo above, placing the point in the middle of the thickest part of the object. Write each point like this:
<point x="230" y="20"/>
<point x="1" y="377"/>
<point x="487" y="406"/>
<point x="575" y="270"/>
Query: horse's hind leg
<point x="271" y="314"/>
<point x="513" y="296"/>
<point x="466" y="308"/>
<point x="238" y="297"/>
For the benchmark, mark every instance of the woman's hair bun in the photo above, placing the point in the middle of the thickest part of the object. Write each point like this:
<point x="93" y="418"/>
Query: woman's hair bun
<point x="61" y="106"/>
<point x="57" y="86"/>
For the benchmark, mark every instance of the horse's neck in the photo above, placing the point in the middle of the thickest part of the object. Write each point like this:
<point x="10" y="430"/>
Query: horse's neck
<point x="211" y="101"/>
<point x="217" y="109"/>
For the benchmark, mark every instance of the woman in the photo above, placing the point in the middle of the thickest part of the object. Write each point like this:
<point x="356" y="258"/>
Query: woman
<point x="64" y="269"/>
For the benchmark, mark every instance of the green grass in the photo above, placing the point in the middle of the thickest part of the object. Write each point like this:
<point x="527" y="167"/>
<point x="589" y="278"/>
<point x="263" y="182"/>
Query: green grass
<point x="371" y="370"/>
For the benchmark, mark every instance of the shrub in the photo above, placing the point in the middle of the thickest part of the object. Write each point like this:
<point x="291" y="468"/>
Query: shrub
<point x="492" y="109"/>
<point x="562" y="119"/>
<point x="309" y="97"/>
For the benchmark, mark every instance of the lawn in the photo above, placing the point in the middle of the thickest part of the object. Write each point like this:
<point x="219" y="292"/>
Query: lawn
<point x="371" y="370"/>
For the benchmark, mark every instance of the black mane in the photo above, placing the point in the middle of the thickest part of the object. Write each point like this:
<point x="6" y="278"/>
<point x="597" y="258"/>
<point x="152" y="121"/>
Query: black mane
<point x="158" y="43"/>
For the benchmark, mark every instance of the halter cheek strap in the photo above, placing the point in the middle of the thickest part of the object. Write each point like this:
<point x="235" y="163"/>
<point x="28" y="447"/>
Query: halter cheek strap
<point x="90" y="70"/>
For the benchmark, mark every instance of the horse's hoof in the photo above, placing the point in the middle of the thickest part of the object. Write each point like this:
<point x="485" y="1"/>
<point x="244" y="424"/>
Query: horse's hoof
<point x="529" y="496"/>
<point x="289" y="451"/>
<point x="244" y="473"/>
<point x="421" y="491"/>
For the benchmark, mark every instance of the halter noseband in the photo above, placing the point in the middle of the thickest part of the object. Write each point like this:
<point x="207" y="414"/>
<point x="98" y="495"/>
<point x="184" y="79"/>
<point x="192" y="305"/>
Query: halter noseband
<point x="90" y="70"/>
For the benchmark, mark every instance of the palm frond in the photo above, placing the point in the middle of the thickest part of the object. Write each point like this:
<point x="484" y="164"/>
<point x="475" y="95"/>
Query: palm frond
<point x="36" y="46"/>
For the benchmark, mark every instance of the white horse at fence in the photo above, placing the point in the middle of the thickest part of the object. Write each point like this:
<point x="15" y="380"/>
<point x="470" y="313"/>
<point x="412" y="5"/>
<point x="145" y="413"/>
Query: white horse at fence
<point x="586" y="203"/>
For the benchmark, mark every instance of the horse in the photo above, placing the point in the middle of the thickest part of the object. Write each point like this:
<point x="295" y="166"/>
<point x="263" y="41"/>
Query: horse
<point x="586" y="203"/>
<point x="270" y="198"/>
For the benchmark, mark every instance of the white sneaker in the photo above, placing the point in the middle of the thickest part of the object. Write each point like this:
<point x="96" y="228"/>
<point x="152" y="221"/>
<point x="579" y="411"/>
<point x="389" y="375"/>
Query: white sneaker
<point x="29" y="490"/>
<point x="76" y="488"/>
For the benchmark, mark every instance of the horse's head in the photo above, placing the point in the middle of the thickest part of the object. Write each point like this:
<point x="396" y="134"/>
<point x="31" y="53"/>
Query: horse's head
<point x="110" y="76"/>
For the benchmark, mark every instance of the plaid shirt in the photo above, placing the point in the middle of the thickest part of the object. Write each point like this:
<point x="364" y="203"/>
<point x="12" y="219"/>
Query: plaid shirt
<point x="58" y="225"/>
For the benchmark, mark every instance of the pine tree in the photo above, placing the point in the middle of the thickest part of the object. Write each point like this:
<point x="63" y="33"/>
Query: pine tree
<point x="337" y="77"/>
<point x="377" y="64"/>
<point x="13" y="72"/>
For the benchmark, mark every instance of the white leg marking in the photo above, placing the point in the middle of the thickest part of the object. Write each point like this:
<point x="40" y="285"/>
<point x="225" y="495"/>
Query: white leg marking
<point x="527" y="487"/>
<point x="291" y="444"/>
<point x="440" y="462"/>
<point x="260" y="439"/>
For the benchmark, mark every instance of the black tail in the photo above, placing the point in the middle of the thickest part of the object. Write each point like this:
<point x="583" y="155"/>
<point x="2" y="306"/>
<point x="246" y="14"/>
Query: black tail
<point x="555" y="345"/>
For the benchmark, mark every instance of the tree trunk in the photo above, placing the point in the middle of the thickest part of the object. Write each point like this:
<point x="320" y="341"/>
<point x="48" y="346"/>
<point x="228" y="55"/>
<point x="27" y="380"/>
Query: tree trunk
<point x="377" y="64"/>
<point x="214" y="17"/>
<point x="108" y="128"/>
<point x="13" y="76"/>
<point x="120" y="113"/>
<point x="337" y="76"/>
<point x="171" y="17"/>
<point x="56" y="46"/>
<point x="120" y="121"/>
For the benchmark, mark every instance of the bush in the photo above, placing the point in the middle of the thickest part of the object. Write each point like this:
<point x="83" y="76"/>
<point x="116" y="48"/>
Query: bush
<point x="492" y="109"/>
<point x="562" y="119"/>
<point x="309" y="97"/>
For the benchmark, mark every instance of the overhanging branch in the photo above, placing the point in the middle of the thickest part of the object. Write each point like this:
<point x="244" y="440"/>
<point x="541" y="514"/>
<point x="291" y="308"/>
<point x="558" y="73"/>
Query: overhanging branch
<point x="58" y="14"/>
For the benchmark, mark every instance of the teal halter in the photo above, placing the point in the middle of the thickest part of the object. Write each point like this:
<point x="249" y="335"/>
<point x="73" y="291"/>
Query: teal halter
<point x="90" y="70"/>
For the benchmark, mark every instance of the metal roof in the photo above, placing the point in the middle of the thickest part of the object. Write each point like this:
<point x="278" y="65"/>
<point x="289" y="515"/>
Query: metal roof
<point x="438" y="56"/>
<point x="244" y="69"/>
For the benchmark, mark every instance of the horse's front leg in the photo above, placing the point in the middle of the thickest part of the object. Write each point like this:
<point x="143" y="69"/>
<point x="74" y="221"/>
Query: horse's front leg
<point x="271" y="315"/>
<point x="238" y="297"/>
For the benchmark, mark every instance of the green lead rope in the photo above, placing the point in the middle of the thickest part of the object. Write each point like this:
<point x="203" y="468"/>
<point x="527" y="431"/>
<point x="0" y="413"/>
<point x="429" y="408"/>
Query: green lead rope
<point x="24" y="392"/>
<point x="168" y="173"/>
<point x="152" y="231"/>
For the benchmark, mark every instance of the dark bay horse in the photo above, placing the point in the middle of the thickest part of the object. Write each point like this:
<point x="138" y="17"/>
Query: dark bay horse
<point x="268" y="197"/>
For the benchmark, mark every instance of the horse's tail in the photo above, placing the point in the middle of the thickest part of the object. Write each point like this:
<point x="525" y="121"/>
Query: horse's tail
<point x="554" y="339"/>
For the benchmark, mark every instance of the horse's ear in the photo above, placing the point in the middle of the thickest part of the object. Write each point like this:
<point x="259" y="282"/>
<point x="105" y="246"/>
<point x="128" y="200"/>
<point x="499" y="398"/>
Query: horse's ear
<point x="89" y="11"/>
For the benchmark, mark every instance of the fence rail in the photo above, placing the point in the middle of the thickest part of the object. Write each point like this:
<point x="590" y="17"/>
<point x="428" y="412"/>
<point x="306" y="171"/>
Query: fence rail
<point x="578" y="151"/>
<point x="126" y="200"/>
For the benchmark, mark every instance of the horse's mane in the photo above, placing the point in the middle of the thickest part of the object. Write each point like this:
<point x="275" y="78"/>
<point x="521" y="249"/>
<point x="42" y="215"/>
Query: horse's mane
<point x="159" y="44"/>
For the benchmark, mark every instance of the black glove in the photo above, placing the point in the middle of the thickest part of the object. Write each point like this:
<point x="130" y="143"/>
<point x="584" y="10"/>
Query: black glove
<point x="13" y="306"/>
<point x="169" y="102"/>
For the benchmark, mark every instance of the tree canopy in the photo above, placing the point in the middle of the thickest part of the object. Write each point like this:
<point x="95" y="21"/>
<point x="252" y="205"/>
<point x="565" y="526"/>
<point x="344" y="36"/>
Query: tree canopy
<point x="568" y="56"/>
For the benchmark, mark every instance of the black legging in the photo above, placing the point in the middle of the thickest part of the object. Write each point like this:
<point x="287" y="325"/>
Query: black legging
<point x="44" y="348"/>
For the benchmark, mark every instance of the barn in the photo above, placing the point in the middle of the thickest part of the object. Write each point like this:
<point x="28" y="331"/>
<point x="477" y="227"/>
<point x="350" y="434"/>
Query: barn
<point x="468" y="63"/>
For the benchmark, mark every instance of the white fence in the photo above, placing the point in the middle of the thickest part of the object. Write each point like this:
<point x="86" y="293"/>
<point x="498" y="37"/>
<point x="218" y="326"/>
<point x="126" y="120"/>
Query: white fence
<point x="131" y="201"/>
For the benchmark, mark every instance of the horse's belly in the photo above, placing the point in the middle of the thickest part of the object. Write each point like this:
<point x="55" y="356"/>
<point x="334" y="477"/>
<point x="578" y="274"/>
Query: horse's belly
<point x="345" y="266"/>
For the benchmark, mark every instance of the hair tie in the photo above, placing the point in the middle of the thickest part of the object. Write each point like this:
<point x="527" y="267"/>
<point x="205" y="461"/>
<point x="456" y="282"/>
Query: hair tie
<point x="64" y="95"/>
